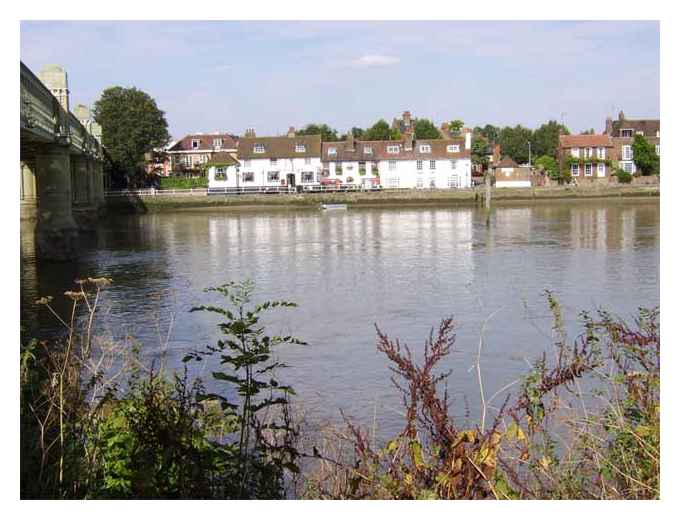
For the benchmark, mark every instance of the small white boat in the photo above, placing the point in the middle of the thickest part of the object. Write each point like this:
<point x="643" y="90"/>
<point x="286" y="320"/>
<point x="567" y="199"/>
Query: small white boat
<point x="333" y="206"/>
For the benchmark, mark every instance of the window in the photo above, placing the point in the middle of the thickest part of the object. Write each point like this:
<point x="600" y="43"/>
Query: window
<point x="272" y="176"/>
<point x="195" y="143"/>
<point x="600" y="170"/>
<point x="393" y="182"/>
<point x="574" y="152"/>
<point x="453" y="181"/>
<point x="627" y="152"/>
<point x="307" y="177"/>
<point x="627" y="167"/>
<point x="273" y="161"/>
<point x="300" y="148"/>
<point x="338" y="168"/>
<point x="246" y="163"/>
<point x="308" y="160"/>
<point x="626" y="132"/>
<point x="657" y="148"/>
<point x="258" y="148"/>
<point x="588" y="153"/>
<point x="362" y="168"/>
<point x="453" y="148"/>
<point x="588" y="170"/>
<point x="419" y="165"/>
<point x="217" y="143"/>
<point x="332" y="150"/>
<point x="419" y="182"/>
<point x="639" y="132"/>
<point x="601" y="152"/>
<point x="221" y="173"/>
<point x="368" y="150"/>
<point x="433" y="165"/>
<point x="393" y="149"/>
<point x="392" y="165"/>
<point x="574" y="170"/>
<point x="425" y="148"/>
<point x="454" y="164"/>
<point x="248" y="177"/>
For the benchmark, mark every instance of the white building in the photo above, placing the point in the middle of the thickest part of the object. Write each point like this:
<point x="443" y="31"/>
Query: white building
<point x="223" y="171"/>
<point x="405" y="163"/>
<point x="286" y="161"/>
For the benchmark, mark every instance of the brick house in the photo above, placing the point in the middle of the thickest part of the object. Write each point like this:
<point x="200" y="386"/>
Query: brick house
<point x="623" y="131"/>
<point x="589" y="157"/>
<point x="193" y="152"/>
<point x="509" y="174"/>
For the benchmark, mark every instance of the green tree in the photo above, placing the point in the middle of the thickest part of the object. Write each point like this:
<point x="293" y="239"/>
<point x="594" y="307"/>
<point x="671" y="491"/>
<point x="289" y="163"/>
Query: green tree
<point x="545" y="139"/>
<point x="326" y="132"/>
<point x="381" y="131"/>
<point x="644" y="156"/>
<point x="132" y="125"/>
<point x="425" y="129"/>
<point x="515" y="143"/>
<point x="456" y="126"/>
<point x="549" y="165"/>
<point x="480" y="150"/>
<point x="492" y="133"/>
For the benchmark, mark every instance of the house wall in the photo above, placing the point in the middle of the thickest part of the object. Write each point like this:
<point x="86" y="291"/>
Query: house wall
<point x="232" y="180"/>
<point x="261" y="167"/>
<point x="407" y="175"/>
<point x="347" y="172"/>
<point x="597" y="175"/>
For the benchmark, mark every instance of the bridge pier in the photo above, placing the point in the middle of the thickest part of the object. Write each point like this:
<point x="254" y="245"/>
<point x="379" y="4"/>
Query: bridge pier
<point x="56" y="232"/>
<point x="84" y="207"/>
<point x="29" y="194"/>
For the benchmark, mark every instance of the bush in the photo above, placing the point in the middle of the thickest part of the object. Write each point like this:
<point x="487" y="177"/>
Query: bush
<point x="183" y="183"/>
<point x="623" y="176"/>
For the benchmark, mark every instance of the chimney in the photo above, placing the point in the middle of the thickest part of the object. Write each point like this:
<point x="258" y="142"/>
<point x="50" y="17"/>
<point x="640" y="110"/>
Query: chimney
<point x="468" y="139"/>
<point x="408" y="140"/>
<point x="55" y="79"/>
<point x="406" y="117"/>
<point x="291" y="131"/>
<point x="350" y="141"/>
<point x="621" y="116"/>
<point x="250" y="132"/>
<point x="609" y="127"/>
<point x="445" y="130"/>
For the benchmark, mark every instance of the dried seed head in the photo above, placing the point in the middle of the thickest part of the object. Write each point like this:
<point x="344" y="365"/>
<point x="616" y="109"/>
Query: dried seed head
<point x="44" y="300"/>
<point x="74" y="295"/>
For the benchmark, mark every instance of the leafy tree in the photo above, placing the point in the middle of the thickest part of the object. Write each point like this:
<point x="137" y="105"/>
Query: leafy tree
<point x="327" y="133"/>
<point x="644" y="156"/>
<point x="381" y="131"/>
<point x="549" y="165"/>
<point x="456" y="126"/>
<point x="492" y="133"/>
<point x="515" y="143"/>
<point x="132" y="125"/>
<point x="357" y="132"/>
<point x="545" y="139"/>
<point x="480" y="150"/>
<point x="425" y="129"/>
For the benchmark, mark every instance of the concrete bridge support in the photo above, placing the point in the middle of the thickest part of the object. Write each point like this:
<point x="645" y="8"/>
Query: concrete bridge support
<point x="84" y="206"/>
<point x="29" y="192"/>
<point x="56" y="231"/>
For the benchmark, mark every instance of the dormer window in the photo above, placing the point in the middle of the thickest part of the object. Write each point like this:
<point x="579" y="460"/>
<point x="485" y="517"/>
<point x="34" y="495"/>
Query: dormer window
<point x="453" y="148"/>
<point x="258" y="148"/>
<point x="626" y="132"/>
<point x="332" y="150"/>
<point x="425" y="148"/>
<point x="300" y="148"/>
<point x="393" y="149"/>
<point x="217" y="143"/>
<point x="195" y="144"/>
<point x="368" y="150"/>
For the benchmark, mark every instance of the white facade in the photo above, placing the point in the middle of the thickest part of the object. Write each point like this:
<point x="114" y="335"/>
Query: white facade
<point x="223" y="177"/>
<point x="513" y="184"/>
<point x="424" y="174"/>
<point x="350" y="172"/>
<point x="279" y="172"/>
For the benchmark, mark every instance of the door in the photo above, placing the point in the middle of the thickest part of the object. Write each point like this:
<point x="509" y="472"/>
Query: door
<point x="291" y="179"/>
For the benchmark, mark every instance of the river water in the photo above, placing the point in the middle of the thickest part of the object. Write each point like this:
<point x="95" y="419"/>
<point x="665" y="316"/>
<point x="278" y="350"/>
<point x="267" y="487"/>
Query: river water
<point x="403" y="269"/>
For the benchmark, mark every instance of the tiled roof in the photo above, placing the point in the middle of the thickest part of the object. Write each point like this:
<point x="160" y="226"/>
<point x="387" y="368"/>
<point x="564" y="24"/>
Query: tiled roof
<point x="229" y="142"/>
<point x="648" y="126"/>
<point x="279" y="147"/>
<point x="344" y="151"/>
<point x="223" y="158"/>
<point x="506" y="162"/>
<point x="578" y="141"/>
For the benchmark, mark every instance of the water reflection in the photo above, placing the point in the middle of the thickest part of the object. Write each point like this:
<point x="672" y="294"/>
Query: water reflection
<point x="401" y="268"/>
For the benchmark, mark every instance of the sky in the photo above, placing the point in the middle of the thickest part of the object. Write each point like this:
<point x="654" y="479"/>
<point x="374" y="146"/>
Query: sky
<point x="229" y="76"/>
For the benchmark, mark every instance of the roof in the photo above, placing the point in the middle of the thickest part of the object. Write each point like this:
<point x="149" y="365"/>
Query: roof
<point x="229" y="142"/>
<point x="222" y="159"/>
<point x="578" y="141"/>
<point x="649" y="127"/>
<point x="282" y="147"/>
<point x="356" y="151"/>
<point x="506" y="162"/>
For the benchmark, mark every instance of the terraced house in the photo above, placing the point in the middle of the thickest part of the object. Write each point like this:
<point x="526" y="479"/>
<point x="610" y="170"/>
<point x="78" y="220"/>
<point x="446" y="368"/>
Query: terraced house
<point x="403" y="163"/>
<point x="193" y="152"/>
<point x="623" y="131"/>
<point x="283" y="161"/>
<point x="589" y="157"/>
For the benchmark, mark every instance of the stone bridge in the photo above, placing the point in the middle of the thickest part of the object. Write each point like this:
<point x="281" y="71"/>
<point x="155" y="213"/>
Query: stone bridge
<point x="62" y="180"/>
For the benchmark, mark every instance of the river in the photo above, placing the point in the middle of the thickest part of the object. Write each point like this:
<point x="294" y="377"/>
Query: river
<point x="401" y="268"/>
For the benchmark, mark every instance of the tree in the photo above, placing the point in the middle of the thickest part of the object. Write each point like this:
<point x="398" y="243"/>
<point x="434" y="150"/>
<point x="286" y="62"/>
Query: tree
<point x="132" y="125"/>
<point x="644" y="156"/>
<point x="548" y="164"/>
<point x="492" y="133"/>
<point x="456" y="126"/>
<point x="480" y="150"/>
<point x="545" y="139"/>
<point x="515" y="143"/>
<point x="326" y="132"/>
<point x="425" y="129"/>
<point x="381" y="131"/>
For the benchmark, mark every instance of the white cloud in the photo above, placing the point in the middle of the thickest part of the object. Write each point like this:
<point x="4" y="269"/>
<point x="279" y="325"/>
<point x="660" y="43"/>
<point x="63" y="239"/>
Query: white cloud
<point x="375" y="60"/>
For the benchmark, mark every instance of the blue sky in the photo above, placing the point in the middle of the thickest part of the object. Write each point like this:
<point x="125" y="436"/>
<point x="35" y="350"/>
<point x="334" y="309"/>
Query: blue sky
<point x="229" y="76"/>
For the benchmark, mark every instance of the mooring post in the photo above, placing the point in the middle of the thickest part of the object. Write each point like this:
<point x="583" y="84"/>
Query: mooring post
<point x="487" y="197"/>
